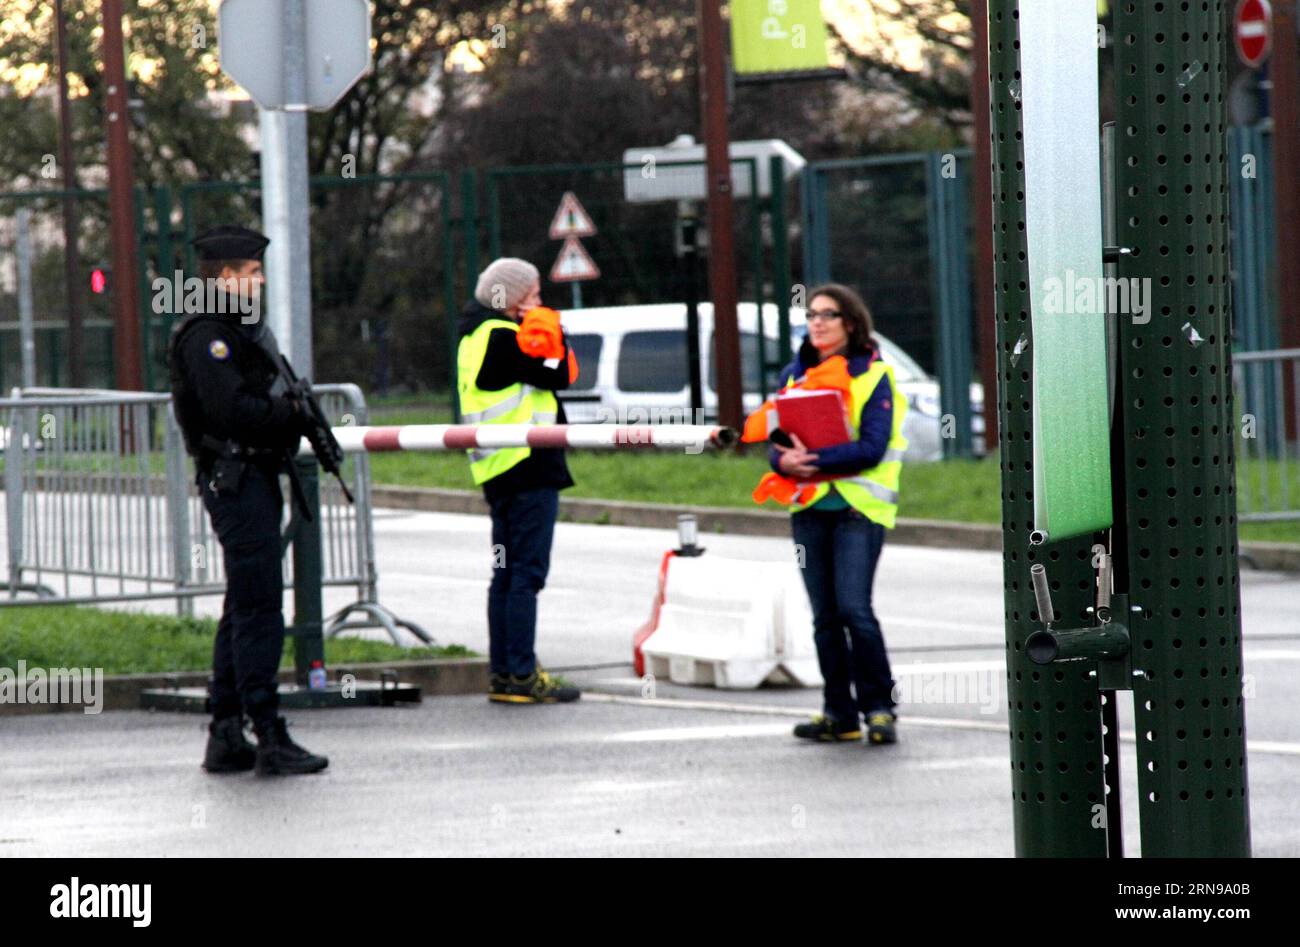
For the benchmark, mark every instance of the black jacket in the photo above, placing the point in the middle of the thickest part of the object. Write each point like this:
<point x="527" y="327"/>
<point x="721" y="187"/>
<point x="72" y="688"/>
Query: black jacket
<point x="505" y="364"/>
<point x="222" y="381"/>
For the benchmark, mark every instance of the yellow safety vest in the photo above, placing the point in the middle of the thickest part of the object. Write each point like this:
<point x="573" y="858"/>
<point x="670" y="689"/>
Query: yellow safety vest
<point x="516" y="404"/>
<point x="873" y="493"/>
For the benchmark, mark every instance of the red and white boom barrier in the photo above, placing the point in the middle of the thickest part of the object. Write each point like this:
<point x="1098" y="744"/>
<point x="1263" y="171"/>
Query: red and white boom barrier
<point x="438" y="437"/>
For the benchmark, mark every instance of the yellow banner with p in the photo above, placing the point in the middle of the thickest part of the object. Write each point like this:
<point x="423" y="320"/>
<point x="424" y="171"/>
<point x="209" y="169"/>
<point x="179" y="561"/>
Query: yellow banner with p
<point x="777" y="36"/>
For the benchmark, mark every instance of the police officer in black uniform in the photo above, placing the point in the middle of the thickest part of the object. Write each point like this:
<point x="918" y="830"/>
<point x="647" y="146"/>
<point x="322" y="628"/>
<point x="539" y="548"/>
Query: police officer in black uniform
<point x="242" y="432"/>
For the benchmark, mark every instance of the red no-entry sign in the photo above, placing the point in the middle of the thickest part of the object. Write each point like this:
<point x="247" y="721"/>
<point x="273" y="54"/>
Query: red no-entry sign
<point x="1253" y="30"/>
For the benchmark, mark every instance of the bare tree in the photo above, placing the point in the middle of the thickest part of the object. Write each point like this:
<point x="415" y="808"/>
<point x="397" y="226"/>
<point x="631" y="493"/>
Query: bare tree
<point x="939" y="85"/>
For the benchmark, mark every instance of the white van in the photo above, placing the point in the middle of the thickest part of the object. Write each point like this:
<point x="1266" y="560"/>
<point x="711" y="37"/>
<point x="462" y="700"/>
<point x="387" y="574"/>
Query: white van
<point x="633" y="370"/>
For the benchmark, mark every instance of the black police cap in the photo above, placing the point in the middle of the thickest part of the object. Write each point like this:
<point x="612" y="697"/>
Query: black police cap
<point x="229" y="242"/>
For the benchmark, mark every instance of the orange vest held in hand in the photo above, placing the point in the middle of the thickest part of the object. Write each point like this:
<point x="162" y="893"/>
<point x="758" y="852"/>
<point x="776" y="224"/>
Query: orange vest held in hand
<point x="540" y="336"/>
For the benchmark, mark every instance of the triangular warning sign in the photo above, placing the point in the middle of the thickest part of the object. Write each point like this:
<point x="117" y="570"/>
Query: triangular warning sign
<point x="571" y="219"/>
<point x="574" y="263"/>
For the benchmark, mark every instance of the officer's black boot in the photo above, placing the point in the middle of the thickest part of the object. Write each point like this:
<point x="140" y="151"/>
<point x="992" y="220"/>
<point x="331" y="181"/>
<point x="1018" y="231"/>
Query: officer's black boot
<point x="277" y="755"/>
<point x="228" y="751"/>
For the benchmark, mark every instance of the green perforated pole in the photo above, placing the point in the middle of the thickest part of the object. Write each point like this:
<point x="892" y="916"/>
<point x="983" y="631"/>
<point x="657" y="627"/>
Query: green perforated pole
<point x="308" y="573"/>
<point x="1174" y="537"/>
<point x="1057" y="781"/>
<point x="1177" y="410"/>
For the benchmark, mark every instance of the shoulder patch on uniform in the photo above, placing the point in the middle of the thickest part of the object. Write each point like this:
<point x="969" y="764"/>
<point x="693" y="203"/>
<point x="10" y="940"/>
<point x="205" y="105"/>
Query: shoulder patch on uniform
<point x="219" y="350"/>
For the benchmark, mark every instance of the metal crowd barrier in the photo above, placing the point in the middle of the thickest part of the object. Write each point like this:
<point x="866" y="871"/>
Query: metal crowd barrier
<point x="101" y="506"/>
<point x="1268" y="456"/>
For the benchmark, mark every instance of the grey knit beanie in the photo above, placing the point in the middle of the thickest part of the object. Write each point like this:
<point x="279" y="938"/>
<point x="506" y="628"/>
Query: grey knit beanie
<point x="505" y="282"/>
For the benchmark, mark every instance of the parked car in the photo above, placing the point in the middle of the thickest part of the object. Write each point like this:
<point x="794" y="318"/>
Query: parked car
<point x="633" y="369"/>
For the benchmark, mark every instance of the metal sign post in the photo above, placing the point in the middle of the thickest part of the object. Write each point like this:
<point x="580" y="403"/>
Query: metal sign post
<point x="23" y="239"/>
<point x="292" y="56"/>
<point x="687" y="244"/>
<point x="285" y="200"/>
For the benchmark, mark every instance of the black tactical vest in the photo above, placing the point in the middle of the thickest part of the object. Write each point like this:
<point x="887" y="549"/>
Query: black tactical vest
<point x="253" y="360"/>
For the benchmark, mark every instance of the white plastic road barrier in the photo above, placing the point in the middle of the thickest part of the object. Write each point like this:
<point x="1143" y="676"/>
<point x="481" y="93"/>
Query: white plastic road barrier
<point x="733" y="624"/>
<point x="438" y="437"/>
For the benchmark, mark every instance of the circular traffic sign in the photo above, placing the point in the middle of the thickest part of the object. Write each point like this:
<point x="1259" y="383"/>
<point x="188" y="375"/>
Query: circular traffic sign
<point x="1253" y="31"/>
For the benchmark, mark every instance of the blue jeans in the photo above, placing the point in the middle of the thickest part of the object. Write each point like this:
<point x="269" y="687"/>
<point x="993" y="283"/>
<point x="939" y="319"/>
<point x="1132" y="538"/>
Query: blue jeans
<point x="840" y="550"/>
<point x="523" y="525"/>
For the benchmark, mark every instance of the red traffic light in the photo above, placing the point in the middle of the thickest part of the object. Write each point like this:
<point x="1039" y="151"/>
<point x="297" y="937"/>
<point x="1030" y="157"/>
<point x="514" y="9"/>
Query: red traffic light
<point x="99" y="280"/>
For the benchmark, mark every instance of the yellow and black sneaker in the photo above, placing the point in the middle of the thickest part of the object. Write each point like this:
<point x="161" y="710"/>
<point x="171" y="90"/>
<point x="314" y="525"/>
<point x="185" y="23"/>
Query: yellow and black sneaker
<point x="497" y="685"/>
<point x="537" y="688"/>
<point x="880" y="727"/>
<point x="825" y="730"/>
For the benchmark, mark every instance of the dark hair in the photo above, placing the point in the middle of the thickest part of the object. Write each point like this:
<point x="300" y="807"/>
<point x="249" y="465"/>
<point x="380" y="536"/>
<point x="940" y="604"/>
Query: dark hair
<point x="212" y="269"/>
<point x="857" y="317"/>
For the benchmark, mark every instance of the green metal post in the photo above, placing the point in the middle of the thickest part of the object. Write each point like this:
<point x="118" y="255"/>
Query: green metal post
<point x="1267" y="285"/>
<point x="449" y="289"/>
<point x="165" y="262"/>
<point x="143" y="295"/>
<point x="1054" y="711"/>
<point x="187" y="228"/>
<point x="308" y="571"/>
<point x="780" y="265"/>
<point x="816" y="236"/>
<point x="469" y="239"/>
<point x="55" y="359"/>
<point x="1246" y="194"/>
<point x="951" y="295"/>
<point x="1177" y="410"/>
<point x="1252" y="226"/>
<point x="963" y="296"/>
<point x="493" y="214"/>
<point x="469" y="224"/>
<point x="162" y="215"/>
<point x="1174" y="539"/>
<point x="756" y="208"/>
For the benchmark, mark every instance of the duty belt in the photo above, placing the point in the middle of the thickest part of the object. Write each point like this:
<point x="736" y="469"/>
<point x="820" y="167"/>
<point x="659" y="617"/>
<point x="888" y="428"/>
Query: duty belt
<point x="233" y="448"/>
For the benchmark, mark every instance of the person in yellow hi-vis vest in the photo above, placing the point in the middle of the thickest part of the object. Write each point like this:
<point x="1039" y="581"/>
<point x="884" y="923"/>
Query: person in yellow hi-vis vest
<point x="839" y="525"/>
<point x="511" y="360"/>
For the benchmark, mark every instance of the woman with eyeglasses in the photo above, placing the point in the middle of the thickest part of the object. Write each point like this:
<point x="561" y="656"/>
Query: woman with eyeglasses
<point x="839" y="524"/>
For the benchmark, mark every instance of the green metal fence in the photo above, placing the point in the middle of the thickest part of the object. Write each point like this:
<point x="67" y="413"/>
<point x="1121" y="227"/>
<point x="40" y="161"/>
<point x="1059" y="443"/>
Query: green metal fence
<point x="383" y="269"/>
<point x="1250" y="158"/>
<point x="1254" y="273"/>
<point x="384" y="287"/>
<point x="395" y="256"/>
<point x="897" y="228"/>
<point x="634" y="243"/>
<point x="49" y="287"/>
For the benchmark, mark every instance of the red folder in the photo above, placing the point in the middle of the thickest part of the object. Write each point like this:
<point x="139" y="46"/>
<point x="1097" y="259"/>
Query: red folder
<point x="815" y="415"/>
